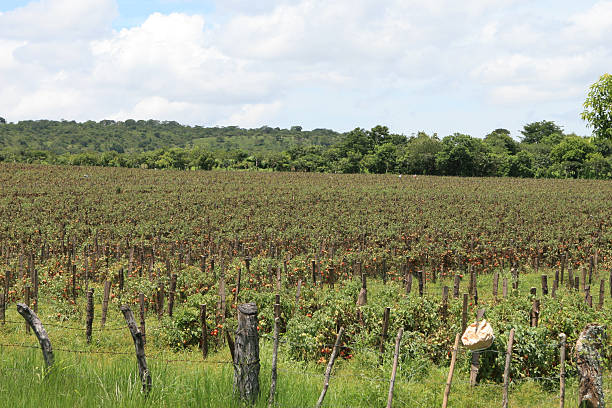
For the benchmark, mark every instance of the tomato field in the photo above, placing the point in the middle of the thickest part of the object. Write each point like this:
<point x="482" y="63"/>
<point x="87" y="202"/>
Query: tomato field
<point x="224" y="238"/>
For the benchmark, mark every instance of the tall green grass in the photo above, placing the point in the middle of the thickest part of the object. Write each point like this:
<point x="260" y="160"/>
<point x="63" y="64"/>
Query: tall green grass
<point x="184" y="379"/>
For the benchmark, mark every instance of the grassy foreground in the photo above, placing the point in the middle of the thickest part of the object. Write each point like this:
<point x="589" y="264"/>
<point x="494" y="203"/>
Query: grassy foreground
<point x="97" y="377"/>
<point x="103" y="381"/>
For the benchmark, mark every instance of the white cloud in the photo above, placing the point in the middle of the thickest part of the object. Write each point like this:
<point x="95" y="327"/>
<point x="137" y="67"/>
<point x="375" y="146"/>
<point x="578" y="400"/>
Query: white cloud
<point x="344" y="63"/>
<point x="53" y="19"/>
<point x="253" y="115"/>
<point x="594" y="23"/>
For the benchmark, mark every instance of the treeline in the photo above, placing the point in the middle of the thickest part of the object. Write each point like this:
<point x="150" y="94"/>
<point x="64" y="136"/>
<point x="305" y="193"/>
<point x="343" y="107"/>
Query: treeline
<point x="135" y="136"/>
<point x="545" y="151"/>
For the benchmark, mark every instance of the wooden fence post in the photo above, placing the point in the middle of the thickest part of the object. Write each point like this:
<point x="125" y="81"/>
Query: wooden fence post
<point x="444" y="308"/>
<point x="2" y="308"/>
<point x="577" y="283"/>
<point x="160" y="300"/>
<point x="451" y="370"/>
<point x="475" y="366"/>
<point x="421" y="282"/>
<point x="238" y="279"/>
<point x="495" y="284"/>
<point x="588" y="362"/>
<point x="39" y="331"/>
<point x="107" y="288"/>
<point x="172" y="294"/>
<point x="27" y="302"/>
<point x="143" y="371"/>
<point x="90" y="314"/>
<point x="408" y="283"/>
<point x="394" y="369"/>
<point x="143" y="329"/>
<point x="535" y="313"/>
<point x="330" y="364"/>
<point x="121" y="280"/>
<point x="544" y="285"/>
<point x="464" y="313"/>
<point x="505" y="288"/>
<point x="507" y="369"/>
<point x="456" y="285"/>
<point x="246" y="354"/>
<point x="562" y="338"/>
<point x="383" y="337"/>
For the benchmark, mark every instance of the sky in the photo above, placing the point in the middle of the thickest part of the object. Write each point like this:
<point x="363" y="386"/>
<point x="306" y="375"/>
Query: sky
<point x="439" y="66"/>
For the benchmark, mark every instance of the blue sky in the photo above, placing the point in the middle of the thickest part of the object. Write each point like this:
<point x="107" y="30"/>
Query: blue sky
<point x="440" y="66"/>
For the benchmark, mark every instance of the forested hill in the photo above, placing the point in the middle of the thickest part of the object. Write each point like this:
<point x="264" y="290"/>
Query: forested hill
<point x="133" y="136"/>
<point x="544" y="151"/>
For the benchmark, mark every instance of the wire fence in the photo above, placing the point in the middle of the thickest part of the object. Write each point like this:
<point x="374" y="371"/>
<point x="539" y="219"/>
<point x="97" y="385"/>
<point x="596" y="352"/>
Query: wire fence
<point x="404" y="377"/>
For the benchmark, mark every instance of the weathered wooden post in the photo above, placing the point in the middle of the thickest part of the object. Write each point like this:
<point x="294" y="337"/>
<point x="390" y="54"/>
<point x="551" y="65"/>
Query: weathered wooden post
<point x="505" y="288"/>
<point x="535" y="313"/>
<point x="444" y="308"/>
<point x="107" y="288"/>
<point x="2" y="309"/>
<point x="160" y="300"/>
<point x="475" y="365"/>
<point x="495" y="284"/>
<point x="464" y="313"/>
<point x="588" y="362"/>
<point x="400" y="333"/>
<point x="544" y="285"/>
<point x="246" y="354"/>
<point x="451" y="370"/>
<point x="456" y="285"/>
<point x="507" y="369"/>
<point x="562" y="338"/>
<point x="143" y="371"/>
<point x="143" y="330"/>
<point x="121" y="280"/>
<point x="39" y="331"/>
<point x="421" y="282"/>
<point x="27" y="302"/>
<point x="90" y="314"/>
<point x="172" y="294"/>
<point x="330" y="364"/>
<point x="383" y="337"/>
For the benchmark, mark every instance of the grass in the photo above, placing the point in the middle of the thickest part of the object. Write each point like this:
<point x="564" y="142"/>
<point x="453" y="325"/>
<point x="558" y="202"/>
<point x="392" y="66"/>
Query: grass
<point x="107" y="380"/>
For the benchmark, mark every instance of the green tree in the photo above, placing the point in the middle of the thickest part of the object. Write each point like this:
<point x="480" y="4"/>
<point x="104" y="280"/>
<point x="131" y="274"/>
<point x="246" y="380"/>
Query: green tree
<point x="534" y="132"/>
<point x="521" y="165"/>
<point x="419" y="156"/>
<point x="500" y="141"/>
<point x="598" y="107"/>
<point x="2" y="120"/>
<point x="463" y="155"/>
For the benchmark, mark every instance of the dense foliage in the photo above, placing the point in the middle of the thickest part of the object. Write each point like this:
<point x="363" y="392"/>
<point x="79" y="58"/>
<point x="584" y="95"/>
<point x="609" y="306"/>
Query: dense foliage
<point x="545" y="151"/>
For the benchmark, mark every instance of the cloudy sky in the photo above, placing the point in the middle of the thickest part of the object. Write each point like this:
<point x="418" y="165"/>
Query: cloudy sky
<point x="439" y="65"/>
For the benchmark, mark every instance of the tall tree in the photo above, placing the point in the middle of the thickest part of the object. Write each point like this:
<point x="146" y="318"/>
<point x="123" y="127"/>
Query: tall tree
<point x="598" y="107"/>
<point x="534" y="132"/>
